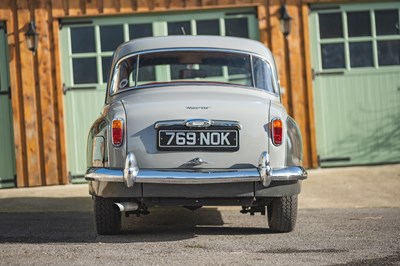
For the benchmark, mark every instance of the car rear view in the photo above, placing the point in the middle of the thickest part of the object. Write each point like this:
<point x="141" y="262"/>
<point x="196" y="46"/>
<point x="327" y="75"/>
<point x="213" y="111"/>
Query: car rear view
<point x="194" y="121"/>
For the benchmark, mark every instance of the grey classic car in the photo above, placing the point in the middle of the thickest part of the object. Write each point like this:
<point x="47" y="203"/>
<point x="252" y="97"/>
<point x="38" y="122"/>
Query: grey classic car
<point x="194" y="121"/>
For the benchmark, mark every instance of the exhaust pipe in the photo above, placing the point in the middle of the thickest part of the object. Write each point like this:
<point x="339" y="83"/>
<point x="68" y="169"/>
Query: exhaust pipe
<point x="127" y="206"/>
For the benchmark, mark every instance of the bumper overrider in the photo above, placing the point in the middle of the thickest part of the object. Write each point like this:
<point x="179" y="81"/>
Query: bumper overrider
<point x="131" y="174"/>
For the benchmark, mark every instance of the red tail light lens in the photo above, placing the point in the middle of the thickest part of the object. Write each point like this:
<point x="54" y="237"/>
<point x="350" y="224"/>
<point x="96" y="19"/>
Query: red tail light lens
<point x="276" y="131"/>
<point x="117" y="132"/>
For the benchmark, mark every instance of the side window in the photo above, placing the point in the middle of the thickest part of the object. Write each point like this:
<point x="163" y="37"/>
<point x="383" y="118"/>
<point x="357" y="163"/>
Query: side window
<point x="124" y="74"/>
<point x="263" y="77"/>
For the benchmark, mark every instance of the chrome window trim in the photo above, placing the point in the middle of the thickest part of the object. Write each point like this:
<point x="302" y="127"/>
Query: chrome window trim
<point x="271" y="65"/>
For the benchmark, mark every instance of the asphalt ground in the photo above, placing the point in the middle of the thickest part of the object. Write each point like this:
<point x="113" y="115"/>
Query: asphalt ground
<point x="347" y="216"/>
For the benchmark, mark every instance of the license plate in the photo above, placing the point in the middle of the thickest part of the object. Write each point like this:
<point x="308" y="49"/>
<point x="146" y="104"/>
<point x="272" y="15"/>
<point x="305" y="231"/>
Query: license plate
<point x="198" y="140"/>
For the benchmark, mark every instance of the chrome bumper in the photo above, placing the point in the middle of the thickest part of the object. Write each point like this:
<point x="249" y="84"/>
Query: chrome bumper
<point x="132" y="174"/>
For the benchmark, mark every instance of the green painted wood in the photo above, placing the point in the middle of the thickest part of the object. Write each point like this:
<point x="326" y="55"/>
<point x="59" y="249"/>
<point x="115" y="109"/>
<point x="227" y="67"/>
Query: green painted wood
<point x="357" y="110"/>
<point x="83" y="102"/>
<point x="7" y="158"/>
<point x="83" y="106"/>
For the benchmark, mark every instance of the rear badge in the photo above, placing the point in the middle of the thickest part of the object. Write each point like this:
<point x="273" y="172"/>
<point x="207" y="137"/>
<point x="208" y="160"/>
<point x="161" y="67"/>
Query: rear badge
<point x="198" y="107"/>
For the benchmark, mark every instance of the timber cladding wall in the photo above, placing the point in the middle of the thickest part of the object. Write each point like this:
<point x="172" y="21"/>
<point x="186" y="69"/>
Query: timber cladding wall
<point x="36" y="81"/>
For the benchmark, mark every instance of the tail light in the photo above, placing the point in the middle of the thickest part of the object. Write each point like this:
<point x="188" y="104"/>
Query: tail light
<point x="117" y="132"/>
<point x="276" y="131"/>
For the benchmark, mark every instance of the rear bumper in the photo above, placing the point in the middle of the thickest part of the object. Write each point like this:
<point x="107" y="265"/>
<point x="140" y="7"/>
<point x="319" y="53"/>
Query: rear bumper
<point x="131" y="174"/>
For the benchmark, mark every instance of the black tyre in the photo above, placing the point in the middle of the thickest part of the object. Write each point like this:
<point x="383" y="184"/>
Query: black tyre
<point x="282" y="214"/>
<point x="107" y="216"/>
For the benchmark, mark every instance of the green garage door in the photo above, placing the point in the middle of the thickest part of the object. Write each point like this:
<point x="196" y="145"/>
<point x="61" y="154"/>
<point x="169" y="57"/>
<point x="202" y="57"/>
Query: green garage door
<point x="356" y="68"/>
<point x="7" y="158"/>
<point x="87" y="48"/>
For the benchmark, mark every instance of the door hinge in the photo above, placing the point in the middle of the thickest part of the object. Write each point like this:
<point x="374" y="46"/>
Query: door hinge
<point x="65" y="89"/>
<point x="325" y="73"/>
<point x="324" y="7"/>
<point x="333" y="160"/>
<point x="8" y="92"/>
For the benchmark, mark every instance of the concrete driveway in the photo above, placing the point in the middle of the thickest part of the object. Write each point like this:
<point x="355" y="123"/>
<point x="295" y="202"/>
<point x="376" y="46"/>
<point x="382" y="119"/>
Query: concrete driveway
<point x="347" y="216"/>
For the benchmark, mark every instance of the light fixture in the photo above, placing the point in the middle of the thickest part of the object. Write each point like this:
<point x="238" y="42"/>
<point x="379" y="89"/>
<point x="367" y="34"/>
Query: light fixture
<point x="286" y="21"/>
<point x="31" y="37"/>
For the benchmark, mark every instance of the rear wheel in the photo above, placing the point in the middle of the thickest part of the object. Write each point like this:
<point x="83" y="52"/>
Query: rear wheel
<point x="282" y="214"/>
<point x="107" y="216"/>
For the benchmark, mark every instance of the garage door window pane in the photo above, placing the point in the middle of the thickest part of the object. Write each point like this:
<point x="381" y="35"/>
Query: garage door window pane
<point x="208" y="27"/>
<point x="361" y="54"/>
<point x="175" y="28"/>
<point x="140" y="31"/>
<point x="389" y="53"/>
<point x="359" y="24"/>
<point x="84" y="70"/>
<point x="106" y="64"/>
<point x="82" y="40"/>
<point x="236" y="27"/>
<point x="111" y="37"/>
<point x="330" y="25"/>
<point x="387" y="22"/>
<point x="333" y="55"/>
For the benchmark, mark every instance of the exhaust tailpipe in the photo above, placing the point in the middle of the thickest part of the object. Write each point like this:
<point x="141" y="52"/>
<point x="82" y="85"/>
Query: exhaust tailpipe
<point x="127" y="206"/>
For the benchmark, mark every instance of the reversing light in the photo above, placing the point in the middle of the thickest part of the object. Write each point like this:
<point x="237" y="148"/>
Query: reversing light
<point x="117" y="132"/>
<point x="276" y="131"/>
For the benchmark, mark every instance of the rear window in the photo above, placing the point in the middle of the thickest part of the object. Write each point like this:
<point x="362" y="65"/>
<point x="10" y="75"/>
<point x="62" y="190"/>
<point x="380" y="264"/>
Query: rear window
<point x="175" y="67"/>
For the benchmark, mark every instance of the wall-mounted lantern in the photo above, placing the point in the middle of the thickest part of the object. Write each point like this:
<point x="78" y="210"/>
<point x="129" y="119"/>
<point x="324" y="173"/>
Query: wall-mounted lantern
<point x="31" y="37"/>
<point x="286" y="21"/>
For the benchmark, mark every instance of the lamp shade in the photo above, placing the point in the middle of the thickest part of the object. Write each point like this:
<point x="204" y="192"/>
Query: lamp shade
<point x="31" y="37"/>
<point x="285" y="21"/>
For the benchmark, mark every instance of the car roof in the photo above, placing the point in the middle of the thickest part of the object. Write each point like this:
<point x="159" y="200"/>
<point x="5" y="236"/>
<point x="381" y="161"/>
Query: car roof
<point x="189" y="41"/>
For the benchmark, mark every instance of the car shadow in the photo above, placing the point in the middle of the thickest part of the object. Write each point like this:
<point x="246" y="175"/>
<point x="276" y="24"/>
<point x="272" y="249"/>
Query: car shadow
<point x="70" y="220"/>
